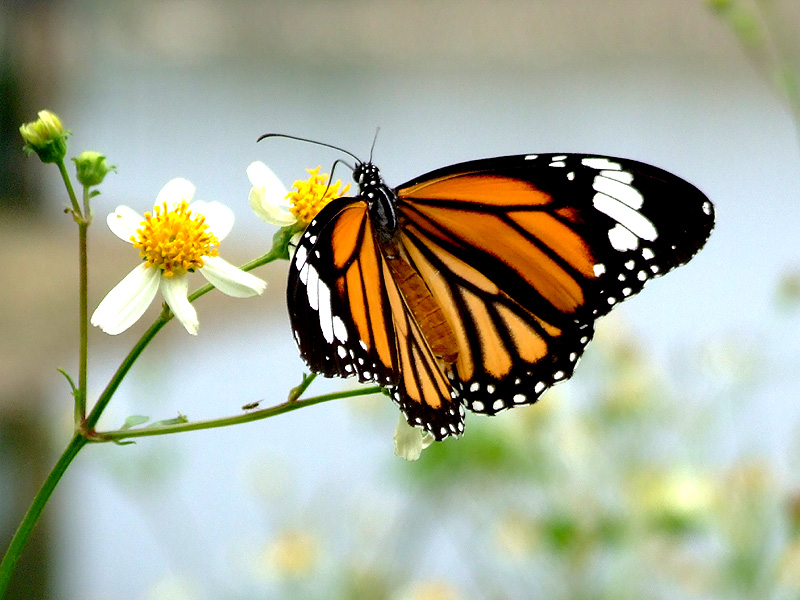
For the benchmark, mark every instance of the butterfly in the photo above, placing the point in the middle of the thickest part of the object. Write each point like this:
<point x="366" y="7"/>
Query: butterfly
<point x="478" y="285"/>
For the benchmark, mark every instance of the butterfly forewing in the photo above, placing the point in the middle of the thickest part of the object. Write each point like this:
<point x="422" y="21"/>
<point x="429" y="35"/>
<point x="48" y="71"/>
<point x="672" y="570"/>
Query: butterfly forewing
<point x="341" y="326"/>
<point x="350" y="318"/>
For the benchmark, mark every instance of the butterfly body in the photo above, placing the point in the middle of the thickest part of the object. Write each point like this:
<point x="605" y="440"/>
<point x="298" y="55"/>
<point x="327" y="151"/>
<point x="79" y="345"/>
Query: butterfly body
<point x="478" y="285"/>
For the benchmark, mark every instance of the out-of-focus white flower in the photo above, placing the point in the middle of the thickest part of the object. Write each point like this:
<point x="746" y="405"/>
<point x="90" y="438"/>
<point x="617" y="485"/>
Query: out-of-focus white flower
<point x="409" y="442"/>
<point x="177" y="238"/>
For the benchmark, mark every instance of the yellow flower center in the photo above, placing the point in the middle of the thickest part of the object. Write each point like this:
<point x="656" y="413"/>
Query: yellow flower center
<point x="310" y="196"/>
<point x="174" y="240"/>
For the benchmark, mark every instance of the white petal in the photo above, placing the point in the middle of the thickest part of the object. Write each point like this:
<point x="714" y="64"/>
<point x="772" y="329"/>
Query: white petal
<point x="268" y="196"/>
<point x="124" y="222"/>
<point x="124" y="304"/>
<point x="270" y="211"/>
<point x="174" y="192"/>
<point x="175" y="290"/>
<point x="409" y="442"/>
<point x="260" y="175"/>
<point x="231" y="280"/>
<point x="219" y="217"/>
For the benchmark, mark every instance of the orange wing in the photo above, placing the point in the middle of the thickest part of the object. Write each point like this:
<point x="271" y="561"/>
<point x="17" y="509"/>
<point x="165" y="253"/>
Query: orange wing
<point x="487" y="291"/>
<point x="522" y="254"/>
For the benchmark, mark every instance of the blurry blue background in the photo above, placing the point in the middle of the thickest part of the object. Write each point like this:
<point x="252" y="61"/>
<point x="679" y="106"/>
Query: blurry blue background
<point x="313" y="504"/>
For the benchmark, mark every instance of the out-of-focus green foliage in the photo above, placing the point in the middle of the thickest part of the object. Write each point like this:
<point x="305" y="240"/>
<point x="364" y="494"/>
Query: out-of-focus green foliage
<point x="608" y="488"/>
<point x="768" y="32"/>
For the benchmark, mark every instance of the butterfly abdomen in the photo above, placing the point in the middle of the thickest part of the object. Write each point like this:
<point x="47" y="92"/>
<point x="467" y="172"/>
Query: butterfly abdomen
<point x="423" y="307"/>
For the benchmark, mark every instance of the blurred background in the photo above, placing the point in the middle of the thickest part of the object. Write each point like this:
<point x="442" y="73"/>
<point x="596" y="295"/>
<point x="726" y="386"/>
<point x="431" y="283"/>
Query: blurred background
<point x="668" y="467"/>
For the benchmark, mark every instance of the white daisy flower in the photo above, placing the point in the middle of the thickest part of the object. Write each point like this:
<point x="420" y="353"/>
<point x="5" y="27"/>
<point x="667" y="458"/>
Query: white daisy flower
<point x="274" y="204"/>
<point x="177" y="238"/>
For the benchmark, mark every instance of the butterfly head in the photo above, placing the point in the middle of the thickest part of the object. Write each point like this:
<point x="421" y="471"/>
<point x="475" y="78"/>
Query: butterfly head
<point x="380" y="197"/>
<point x="367" y="176"/>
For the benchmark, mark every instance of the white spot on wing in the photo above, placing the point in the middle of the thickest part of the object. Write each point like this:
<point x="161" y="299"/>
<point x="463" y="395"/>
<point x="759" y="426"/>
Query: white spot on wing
<point x="477" y="406"/>
<point x="599" y="269"/>
<point x="623" y="176"/>
<point x="636" y="222"/>
<point x="312" y="287"/>
<point x="601" y="163"/>
<point x="619" y="190"/>
<point x="325" y="316"/>
<point x="300" y="256"/>
<point x="622" y="239"/>
<point x="339" y="329"/>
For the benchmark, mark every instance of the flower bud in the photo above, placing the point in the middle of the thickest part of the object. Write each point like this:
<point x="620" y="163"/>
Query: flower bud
<point x="92" y="168"/>
<point x="46" y="137"/>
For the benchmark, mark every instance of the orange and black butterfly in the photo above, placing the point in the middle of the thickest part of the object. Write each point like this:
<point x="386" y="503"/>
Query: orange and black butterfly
<point x="478" y="285"/>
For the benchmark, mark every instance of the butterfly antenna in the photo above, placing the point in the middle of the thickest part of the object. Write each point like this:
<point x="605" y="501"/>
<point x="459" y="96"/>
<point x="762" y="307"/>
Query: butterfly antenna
<point x="333" y="168"/>
<point x="301" y="139"/>
<point x="375" y="139"/>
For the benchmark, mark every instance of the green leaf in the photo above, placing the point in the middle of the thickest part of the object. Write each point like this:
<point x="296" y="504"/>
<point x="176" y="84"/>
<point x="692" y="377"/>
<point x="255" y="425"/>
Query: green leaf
<point x="71" y="383"/>
<point x="134" y="420"/>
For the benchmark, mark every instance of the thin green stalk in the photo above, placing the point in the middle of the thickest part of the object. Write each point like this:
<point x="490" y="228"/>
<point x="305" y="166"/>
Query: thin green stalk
<point x="287" y="406"/>
<point x="163" y="319"/>
<point x="124" y="367"/>
<point x="82" y="218"/>
<point x="23" y="533"/>
<point x="76" y="209"/>
<point x="85" y="432"/>
<point x="83" y="355"/>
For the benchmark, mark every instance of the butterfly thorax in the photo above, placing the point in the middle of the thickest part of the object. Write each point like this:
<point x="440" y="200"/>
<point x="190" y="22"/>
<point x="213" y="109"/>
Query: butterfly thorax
<point x="382" y="202"/>
<point x="381" y="199"/>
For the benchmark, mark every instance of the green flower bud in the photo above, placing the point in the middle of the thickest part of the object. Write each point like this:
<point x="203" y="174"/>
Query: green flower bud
<point x="46" y="137"/>
<point x="92" y="168"/>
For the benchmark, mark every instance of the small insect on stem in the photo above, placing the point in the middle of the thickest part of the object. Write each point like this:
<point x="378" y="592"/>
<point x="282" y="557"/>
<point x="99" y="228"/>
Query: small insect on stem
<point x="252" y="405"/>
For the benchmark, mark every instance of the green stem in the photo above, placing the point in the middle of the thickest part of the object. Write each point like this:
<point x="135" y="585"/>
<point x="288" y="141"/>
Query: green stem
<point x="163" y="319"/>
<point x="86" y="431"/>
<point x="287" y="406"/>
<point x="82" y="218"/>
<point x="124" y="367"/>
<point x="23" y="533"/>
<point x="83" y="356"/>
<point x="76" y="209"/>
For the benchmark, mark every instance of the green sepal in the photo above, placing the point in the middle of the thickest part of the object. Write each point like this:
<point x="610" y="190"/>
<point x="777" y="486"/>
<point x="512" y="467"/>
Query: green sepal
<point x="134" y="420"/>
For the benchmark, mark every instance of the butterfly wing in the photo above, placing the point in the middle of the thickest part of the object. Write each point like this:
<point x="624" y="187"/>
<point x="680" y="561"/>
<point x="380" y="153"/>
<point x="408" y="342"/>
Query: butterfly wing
<point x="349" y="318"/>
<point x="524" y="253"/>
